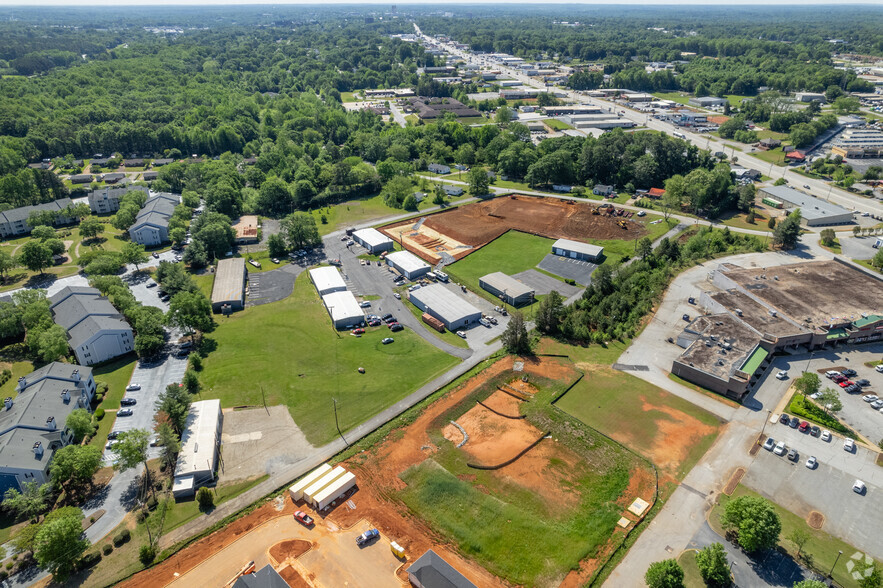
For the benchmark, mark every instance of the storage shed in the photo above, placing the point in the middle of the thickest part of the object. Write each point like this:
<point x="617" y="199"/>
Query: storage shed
<point x="229" y="285"/>
<point x="436" y="300"/>
<point x="327" y="280"/>
<point x="323" y="482"/>
<point x="344" y="309"/>
<point x="408" y="264"/>
<point x="297" y="490"/>
<point x="372" y="240"/>
<point x="507" y="288"/>
<point x="577" y="250"/>
<point x="335" y="490"/>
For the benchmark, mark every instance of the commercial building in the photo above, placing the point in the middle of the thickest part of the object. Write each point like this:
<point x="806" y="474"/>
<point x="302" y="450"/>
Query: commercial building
<point x="151" y="226"/>
<point x="373" y="240"/>
<point x="407" y="264"/>
<point x="327" y="280"/>
<point x="756" y="312"/>
<point x="228" y="289"/>
<point x="809" y="97"/>
<point x="431" y="571"/>
<point x="577" y="250"/>
<point x="858" y="143"/>
<point x="15" y="221"/>
<point x="344" y="309"/>
<point x="246" y="229"/>
<point x="706" y="101"/>
<point x="815" y="212"/>
<point x="432" y="108"/>
<point x="107" y="200"/>
<point x="440" y="302"/>
<point x="200" y="443"/>
<point x="32" y="425"/>
<point x="507" y="288"/>
<point x="96" y="331"/>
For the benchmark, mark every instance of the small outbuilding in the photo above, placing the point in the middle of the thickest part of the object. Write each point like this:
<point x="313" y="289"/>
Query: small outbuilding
<point x="407" y="264"/>
<point x="327" y="280"/>
<point x="577" y="250"/>
<point x="507" y="288"/>
<point x="229" y="286"/>
<point x="344" y="309"/>
<point x="440" y="302"/>
<point x="373" y="240"/>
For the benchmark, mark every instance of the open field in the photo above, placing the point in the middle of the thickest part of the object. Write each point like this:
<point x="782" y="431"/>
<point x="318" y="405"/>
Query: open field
<point x="739" y="220"/>
<point x="775" y="156"/>
<point x="458" y="231"/>
<point x="288" y="353"/>
<point x="556" y="124"/>
<point x="692" y="577"/>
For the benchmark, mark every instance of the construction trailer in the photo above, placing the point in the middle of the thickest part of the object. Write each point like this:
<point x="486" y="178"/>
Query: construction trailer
<point x="433" y="322"/>
<point x="297" y="490"/>
<point x="316" y="487"/>
<point x="335" y="490"/>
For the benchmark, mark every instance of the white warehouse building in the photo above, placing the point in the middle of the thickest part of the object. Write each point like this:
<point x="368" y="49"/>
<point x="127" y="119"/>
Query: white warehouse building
<point x="577" y="250"/>
<point x="327" y="280"/>
<point x="344" y="309"/>
<point x="436" y="300"/>
<point x="373" y="240"/>
<point x="408" y="264"/>
<point x="200" y="442"/>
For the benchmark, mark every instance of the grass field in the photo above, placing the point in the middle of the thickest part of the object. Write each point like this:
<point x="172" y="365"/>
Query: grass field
<point x="867" y="263"/>
<point x="19" y="369"/>
<point x="642" y="416"/>
<point x="288" y="353"/>
<point x="678" y="97"/>
<point x="821" y="546"/>
<point x="184" y="511"/>
<point x="739" y="220"/>
<point x="775" y="156"/>
<point x="556" y="124"/>
<point x="692" y="577"/>
<point x="116" y="374"/>
<point x="834" y="247"/>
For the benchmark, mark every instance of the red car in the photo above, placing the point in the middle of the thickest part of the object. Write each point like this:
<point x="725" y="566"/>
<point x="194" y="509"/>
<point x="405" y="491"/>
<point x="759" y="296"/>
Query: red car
<point x="845" y="384"/>
<point x="303" y="518"/>
<point x="839" y="378"/>
<point x="804" y="427"/>
<point x="358" y="331"/>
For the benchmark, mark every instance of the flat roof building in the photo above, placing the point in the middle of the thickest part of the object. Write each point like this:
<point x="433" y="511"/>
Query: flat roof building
<point x="577" y="250"/>
<point x="507" y="288"/>
<point x="706" y="101"/>
<point x="327" y="280"/>
<point x="407" y="264"/>
<point x="373" y="240"/>
<point x="440" y="302"/>
<point x="815" y="212"/>
<point x="228" y="289"/>
<point x="199" y="447"/>
<point x="246" y="229"/>
<point x="344" y="309"/>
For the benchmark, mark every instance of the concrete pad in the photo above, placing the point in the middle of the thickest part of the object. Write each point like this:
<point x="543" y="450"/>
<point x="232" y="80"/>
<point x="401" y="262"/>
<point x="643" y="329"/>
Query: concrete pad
<point x="623" y="522"/>
<point x="639" y="506"/>
<point x="574" y="269"/>
<point x="543" y="284"/>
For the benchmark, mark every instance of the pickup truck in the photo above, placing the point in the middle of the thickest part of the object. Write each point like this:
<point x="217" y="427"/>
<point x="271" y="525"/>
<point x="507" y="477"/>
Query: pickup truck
<point x="367" y="536"/>
<point x="303" y="518"/>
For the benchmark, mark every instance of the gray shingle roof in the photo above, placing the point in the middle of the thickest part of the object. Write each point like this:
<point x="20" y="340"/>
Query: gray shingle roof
<point x="75" y="309"/>
<point x="92" y="325"/>
<point x="266" y="577"/>
<point x="68" y="291"/>
<point x="434" y="572"/>
<point x="22" y="213"/>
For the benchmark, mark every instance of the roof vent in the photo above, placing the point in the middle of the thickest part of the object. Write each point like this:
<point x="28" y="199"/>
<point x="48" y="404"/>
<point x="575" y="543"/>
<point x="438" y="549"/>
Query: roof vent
<point x="38" y="449"/>
<point x="66" y="395"/>
<point x="8" y="402"/>
<point x="50" y="423"/>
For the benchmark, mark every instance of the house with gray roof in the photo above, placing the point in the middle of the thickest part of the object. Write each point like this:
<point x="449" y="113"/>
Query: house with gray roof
<point x="15" y="221"/>
<point x="151" y="226"/>
<point x="96" y="331"/>
<point x="32" y="425"/>
<point x="431" y="571"/>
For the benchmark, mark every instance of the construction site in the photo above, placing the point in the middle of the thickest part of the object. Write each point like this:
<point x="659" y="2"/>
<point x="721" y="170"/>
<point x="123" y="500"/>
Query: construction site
<point x="453" y="234"/>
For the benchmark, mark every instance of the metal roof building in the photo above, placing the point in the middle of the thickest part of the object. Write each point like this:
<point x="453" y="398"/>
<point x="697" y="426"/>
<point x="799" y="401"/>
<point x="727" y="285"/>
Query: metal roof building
<point x="815" y="211"/>
<point x="327" y="280"/>
<point x="408" y="264"/>
<point x="443" y="304"/>
<point x="577" y="250"/>
<point x="373" y="240"/>
<point x="199" y="447"/>
<point x="507" y="288"/>
<point x="229" y="286"/>
<point x="344" y="309"/>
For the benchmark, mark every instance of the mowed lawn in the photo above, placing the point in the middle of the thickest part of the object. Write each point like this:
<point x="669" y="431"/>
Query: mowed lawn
<point x="643" y="417"/>
<point x="288" y="353"/>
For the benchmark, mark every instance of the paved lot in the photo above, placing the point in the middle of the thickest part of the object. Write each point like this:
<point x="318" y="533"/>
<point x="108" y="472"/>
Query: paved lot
<point x="259" y="441"/>
<point x="858" y="247"/>
<point x="271" y="286"/>
<point x="574" y="269"/>
<point x="543" y="284"/>
<point x="857" y="413"/>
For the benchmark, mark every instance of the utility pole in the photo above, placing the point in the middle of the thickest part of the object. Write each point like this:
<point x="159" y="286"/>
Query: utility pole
<point x="336" y="424"/>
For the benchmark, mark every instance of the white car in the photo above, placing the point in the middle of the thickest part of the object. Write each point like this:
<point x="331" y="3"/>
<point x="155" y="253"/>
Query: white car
<point x="462" y="334"/>
<point x="365" y="304"/>
<point x="848" y="445"/>
<point x="782" y="375"/>
<point x="132" y="387"/>
<point x="769" y="444"/>
<point x="811" y="463"/>
<point x="858" y="487"/>
<point x="641" y="213"/>
<point x="826" y="435"/>
<point x="879" y="368"/>
<point x="397" y="295"/>
<point x="870" y="397"/>
<point x="877" y="404"/>
<point x="830" y="374"/>
<point x="780" y="448"/>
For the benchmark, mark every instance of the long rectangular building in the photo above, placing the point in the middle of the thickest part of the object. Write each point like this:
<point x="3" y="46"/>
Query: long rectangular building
<point x="507" y="288"/>
<point x="151" y="226"/>
<point x="373" y="240"/>
<point x="344" y="309"/>
<point x="15" y="221"/>
<point x="200" y="442"/>
<point x="577" y="250"/>
<point x="95" y="330"/>
<point x="407" y="264"/>
<point x="814" y="212"/>
<point x="438" y="301"/>
<point x="228" y="289"/>
<point x="327" y="280"/>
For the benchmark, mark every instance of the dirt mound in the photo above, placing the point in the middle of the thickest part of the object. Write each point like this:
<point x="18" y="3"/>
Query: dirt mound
<point x="494" y="439"/>
<point x="503" y="403"/>
<point x="292" y="548"/>
<point x="293" y="579"/>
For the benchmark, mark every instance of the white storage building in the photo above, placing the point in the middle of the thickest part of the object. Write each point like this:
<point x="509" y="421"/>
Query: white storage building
<point x="297" y="490"/>
<point x="577" y="250"/>
<point x="344" y="309"/>
<point x="408" y="264"/>
<point x="507" y="288"/>
<point x="373" y="240"/>
<point x="436" y="300"/>
<point x="327" y="280"/>
<point x="316" y="487"/>
<point x="199" y="447"/>
<point x="335" y="490"/>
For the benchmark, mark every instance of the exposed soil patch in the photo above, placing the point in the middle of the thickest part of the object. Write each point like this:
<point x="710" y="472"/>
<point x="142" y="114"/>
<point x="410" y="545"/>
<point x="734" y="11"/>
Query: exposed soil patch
<point x="816" y="520"/>
<point x="734" y="481"/>
<point x="504" y="403"/>
<point x="675" y="437"/>
<point x="548" y="470"/>
<point x="494" y="439"/>
<point x="293" y="579"/>
<point x="292" y="548"/>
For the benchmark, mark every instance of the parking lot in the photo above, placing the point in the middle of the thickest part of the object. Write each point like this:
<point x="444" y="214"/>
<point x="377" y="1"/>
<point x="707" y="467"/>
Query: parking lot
<point x="543" y="284"/>
<point x="574" y="269"/>
<point x="858" y="247"/>
<point x="271" y="286"/>
<point x="856" y="413"/>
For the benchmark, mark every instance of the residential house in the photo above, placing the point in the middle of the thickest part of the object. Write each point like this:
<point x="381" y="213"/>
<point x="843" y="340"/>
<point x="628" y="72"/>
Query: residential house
<point x="96" y="331"/>
<point x="107" y="200"/>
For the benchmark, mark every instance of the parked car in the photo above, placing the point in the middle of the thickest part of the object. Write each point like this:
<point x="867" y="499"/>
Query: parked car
<point x="859" y="487"/>
<point x="365" y="304"/>
<point x="358" y="331"/>
<point x="386" y="317"/>
<point x="849" y="372"/>
<point x="848" y="445"/>
<point x="110" y="446"/>
<point x="782" y="375"/>
<point x="387" y="340"/>
<point x="132" y="387"/>
<point x="879" y="367"/>
<point x="877" y="404"/>
<point x="124" y="412"/>
<point x="367" y="536"/>
<point x="374" y="323"/>
<point x="804" y="427"/>
<point x="485" y="322"/>
<point x="794" y="423"/>
<point x="826" y="435"/>
<point x="780" y="448"/>
<point x="845" y="383"/>
<point x="151" y="284"/>
<point x="784" y="419"/>
<point x="831" y="373"/>
<point x="863" y="383"/>
<point x="397" y="295"/>
<point x="769" y="443"/>
<point x="686" y="317"/>
<point x="839" y="378"/>
<point x="870" y="397"/>
<point x="461" y="334"/>
<point x="113" y="435"/>
<point x="815" y="431"/>
<point x="812" y="463"/>
<point x="155" y="255"/>
<point x="390" y="320"/>
<point x="793" y="455"/>
<point x="128" y="402"/>
<point x="396" y="327"/>
<point x="303" y="518"/>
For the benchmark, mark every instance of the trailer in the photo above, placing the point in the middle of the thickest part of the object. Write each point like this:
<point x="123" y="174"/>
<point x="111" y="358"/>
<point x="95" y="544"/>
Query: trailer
<point x="433" y="322"/>
<point x="297" y="490"/>
<point x="335" y="490"/>
<point x="316" y="487"/>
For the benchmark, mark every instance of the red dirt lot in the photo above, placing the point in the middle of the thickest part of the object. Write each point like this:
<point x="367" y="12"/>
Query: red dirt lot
<point x="493" y="439"/>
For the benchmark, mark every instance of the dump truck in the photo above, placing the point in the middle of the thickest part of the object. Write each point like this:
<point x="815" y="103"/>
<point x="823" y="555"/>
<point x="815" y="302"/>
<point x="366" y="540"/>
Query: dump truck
<point x="433" y="322"/>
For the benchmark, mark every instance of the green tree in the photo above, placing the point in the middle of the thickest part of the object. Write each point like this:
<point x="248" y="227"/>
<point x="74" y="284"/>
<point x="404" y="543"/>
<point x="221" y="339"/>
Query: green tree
<point x="479" y="184"/>
<point x="771" y="224"/>
<point x="52" y="343"/>
<point x="645" y="248"/>
<point x="10" y="320"/>
<point x="810" y="584"/>
<point x="59" y="544"/>
<point x="755" y="520"/>
<point x="808" y="383"/>
<point x="847" y="104"/>
<point x="515" y="338"/>
<point x="787" y="233"/>
<point x="300" y="230"/>
<point x="91" y="228"/>
<point x="7" y="263"/>
<point x="665" y="574"/>
<point x="43" y="232"/>
<point x="30" y="502"/>
<point x="169" y="441"/>
<point x="175" y="401"/>
<point x="190" y="311"/>
<point x="549" y="313"/>
<point x="134" y="254"/>
<point x="146" y="554"/>
<point x="830" y="400"/>
<point x="410" y="203"/>
<point x="827" y="237"/>
<point x="799" y="537"/>
<point x="877" y="260"/>
<point x="191" y="382"/>
<point x="35" y="256"/>
<point x="195" y="255"/>
<point x="79" y="421"/>
<point x="131" y="452"/>
<point x="872" y="579"/>
<point x="177" y="236"/>
<point x="276" y="246"/>
<point x="713" y="567"/>
<point x="396" y="190"/>
<point x="504" y="115"/>
<point x="206" y="499"/>
<point x="73" y="467"/>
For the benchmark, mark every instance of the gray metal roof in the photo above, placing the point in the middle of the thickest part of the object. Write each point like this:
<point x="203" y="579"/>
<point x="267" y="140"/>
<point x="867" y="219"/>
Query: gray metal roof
<point x="434" y="572"/>
<point x="266" y="577"/>
<point x="578" y="246"/>
<point x="22" y="213"/>
<point x="810" y="207"/>
<point x="372" y="237"/>
<point x="447" y="305"/>
<point x="406" y="260"/>
<point x="507" y="284"/>
<point x="229" y="285"/>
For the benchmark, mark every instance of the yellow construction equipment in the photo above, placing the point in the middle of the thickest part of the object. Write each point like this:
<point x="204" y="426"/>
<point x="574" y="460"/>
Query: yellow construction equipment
<point x="621" y="223"/>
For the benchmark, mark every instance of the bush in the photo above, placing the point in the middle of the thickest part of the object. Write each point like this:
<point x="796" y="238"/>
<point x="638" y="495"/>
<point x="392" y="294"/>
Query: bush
<point x="89" y="560"/>
<point x="141" y="516"/>
<point x="196" y="363"/>
<point x="99" y="413"/>
<point x="107" y="549"/>
<point x="205" y="498"/>
<point x="3" y="575"/>
<point x="801" y="407"/>
<point x="122" y="537"/>
<point x="147" y="554"/>
<point x="151" y="503"/>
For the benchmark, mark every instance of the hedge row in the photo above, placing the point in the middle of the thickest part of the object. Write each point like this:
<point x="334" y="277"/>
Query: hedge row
<point x="799" y="406"/>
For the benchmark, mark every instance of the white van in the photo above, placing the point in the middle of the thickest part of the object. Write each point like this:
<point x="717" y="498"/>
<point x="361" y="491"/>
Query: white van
<point x="859" y="487"/>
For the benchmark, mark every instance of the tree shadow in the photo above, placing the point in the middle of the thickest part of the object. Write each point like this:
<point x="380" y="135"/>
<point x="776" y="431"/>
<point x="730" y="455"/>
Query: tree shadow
<point x="207" y="346"/>
<point x="40" y="281"/>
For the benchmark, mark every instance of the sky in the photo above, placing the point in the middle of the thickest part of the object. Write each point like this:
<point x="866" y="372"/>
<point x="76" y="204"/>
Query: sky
<point x="122" y="4"/>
